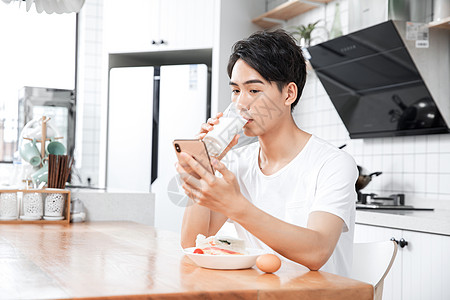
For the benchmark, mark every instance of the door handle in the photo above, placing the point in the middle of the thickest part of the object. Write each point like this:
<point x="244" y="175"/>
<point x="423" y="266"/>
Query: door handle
<point x="402" y="243"/>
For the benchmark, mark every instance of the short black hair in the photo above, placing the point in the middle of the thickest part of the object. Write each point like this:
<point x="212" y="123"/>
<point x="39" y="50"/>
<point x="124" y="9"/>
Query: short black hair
<point x="273" y="54"/>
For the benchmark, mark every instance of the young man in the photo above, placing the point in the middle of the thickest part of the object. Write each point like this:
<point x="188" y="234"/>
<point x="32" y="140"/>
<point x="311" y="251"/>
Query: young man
<point x="291" y="191"/>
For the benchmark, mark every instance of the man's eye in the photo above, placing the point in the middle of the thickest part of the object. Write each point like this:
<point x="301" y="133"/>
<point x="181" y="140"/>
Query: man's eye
<point x="235" y="91"/>
<point x="254" y="91"/>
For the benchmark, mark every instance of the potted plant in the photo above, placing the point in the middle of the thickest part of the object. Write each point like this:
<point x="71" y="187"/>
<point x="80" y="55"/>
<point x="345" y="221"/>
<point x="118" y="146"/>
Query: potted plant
<point x="304" y="33"/>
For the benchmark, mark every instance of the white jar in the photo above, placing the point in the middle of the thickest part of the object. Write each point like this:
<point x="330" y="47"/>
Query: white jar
<point x="8" y="206"/>
<point x="54" y="205"/>
<point x="32" y="205"/>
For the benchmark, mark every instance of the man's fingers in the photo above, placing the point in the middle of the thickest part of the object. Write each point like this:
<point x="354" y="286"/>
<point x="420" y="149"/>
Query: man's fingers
<point x="233" y="143"/>
<point x="196" y="167"/>
<point x="219" y="166"/>
<point x="186" y="169"/>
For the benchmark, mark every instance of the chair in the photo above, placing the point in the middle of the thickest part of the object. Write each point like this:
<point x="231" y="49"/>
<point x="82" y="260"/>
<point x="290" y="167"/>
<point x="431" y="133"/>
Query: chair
<point x="372" y="262"/>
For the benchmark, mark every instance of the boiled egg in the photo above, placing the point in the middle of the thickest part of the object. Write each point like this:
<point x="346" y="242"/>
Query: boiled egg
<point x="268" y="263"/>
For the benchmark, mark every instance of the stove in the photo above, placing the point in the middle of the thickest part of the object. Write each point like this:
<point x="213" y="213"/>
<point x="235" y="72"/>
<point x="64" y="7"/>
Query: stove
<point x="394" y="201"/>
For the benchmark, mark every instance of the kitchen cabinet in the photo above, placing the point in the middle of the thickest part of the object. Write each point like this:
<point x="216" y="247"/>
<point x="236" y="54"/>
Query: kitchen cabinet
<point x="155" y="25"/>
<point x="421" y="269"/>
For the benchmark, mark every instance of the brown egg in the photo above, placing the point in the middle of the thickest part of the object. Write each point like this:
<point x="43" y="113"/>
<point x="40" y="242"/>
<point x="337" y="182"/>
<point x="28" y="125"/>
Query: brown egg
<point x="268" y="263"/>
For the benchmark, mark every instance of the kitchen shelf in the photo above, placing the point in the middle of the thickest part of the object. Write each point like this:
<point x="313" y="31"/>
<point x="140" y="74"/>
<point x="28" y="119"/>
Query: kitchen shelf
<point x="443" y="24"/>
<point x="288" y="10"/>
<point x="66" y="212"/>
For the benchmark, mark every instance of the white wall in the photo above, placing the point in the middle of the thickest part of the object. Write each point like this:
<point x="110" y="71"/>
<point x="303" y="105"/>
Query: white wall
<point x="234" y="24"/>
<point x="90" y="93"/>
<point x="418" y="166"/>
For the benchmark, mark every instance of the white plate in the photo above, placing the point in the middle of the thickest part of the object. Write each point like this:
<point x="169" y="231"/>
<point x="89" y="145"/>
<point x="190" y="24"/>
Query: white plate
<point x="30" y="218"/>
<point x="50" y="218"/>
<point x="224" y="262"/>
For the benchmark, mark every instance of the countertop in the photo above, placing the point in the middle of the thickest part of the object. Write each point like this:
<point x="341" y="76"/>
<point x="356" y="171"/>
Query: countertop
<point x="437" y="221"/>
<point x="126" y="260"/>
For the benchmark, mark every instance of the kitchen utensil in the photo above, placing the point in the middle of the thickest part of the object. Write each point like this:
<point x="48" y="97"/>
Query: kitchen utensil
<point x="30" y="153"/>
<point x="364" y="179"/>
<point x="40" y="175"/>
<point x="56" y="148"/>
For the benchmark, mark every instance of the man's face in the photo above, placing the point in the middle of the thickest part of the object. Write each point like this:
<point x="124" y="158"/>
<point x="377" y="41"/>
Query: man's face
<point x="262" y="99"/>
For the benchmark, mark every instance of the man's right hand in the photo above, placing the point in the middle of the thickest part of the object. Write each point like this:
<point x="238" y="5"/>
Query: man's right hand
<point x="208" y="126"/>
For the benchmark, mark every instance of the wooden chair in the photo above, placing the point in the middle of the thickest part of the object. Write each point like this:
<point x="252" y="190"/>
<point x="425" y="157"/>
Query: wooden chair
<point x="372" y="262"/>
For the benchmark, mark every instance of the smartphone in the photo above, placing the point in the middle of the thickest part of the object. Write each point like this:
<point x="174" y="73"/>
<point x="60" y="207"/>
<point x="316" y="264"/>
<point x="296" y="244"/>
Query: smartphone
<point x="195" y="148"/>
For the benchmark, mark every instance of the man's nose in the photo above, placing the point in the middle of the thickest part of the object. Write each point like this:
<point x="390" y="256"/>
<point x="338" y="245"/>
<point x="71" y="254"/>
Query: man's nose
<point x="243" y="102"/>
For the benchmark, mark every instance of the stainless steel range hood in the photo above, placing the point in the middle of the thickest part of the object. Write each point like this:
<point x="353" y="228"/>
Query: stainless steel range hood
<point x="382" y="85"/>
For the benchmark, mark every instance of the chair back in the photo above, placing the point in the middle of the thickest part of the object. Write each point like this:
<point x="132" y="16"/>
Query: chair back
<point x="372" y="262"/>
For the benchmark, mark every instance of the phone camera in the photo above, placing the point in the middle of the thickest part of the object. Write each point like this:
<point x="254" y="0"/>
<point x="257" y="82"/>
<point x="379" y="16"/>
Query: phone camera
<point x="177" y="147"/>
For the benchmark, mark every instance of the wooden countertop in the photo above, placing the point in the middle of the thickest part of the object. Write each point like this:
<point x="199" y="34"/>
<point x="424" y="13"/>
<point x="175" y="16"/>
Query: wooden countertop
<point x="111" y="260"/>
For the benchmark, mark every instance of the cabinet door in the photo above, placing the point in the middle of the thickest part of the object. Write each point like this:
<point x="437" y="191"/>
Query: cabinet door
<point x="426" y="266"/>
<point x="130" y="109"/>
<point x="186" y="24"/>
<point x="393" y="281"/>
<point x="131" y="25"/>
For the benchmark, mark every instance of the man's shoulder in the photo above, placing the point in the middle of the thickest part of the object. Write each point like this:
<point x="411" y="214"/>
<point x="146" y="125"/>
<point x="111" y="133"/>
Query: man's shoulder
<point x="324" y="151"/>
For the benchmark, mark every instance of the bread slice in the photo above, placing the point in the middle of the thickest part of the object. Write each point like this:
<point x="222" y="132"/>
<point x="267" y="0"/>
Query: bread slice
<point x="220" y="245"/>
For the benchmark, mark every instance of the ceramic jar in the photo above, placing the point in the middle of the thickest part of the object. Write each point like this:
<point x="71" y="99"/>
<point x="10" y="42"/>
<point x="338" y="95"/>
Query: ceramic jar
<point x="54" y="205"/>
<point x="33" y="205"/>
<point x="8" y="206"/>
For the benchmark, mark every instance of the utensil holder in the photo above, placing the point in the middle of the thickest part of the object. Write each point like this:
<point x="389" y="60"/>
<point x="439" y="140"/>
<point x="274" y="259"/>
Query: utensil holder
<point x="27" y="206"/>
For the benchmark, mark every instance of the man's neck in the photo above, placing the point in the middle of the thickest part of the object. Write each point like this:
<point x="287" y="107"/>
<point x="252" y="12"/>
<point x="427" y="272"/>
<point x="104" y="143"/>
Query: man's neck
<point x="282" y="144"/>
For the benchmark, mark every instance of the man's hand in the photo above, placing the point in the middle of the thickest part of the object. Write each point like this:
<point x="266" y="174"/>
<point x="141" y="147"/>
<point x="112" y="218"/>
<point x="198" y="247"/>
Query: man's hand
<point x="222" y="195"/>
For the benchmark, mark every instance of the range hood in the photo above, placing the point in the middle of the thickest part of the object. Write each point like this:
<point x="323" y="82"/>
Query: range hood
<point x="376" y="87"/>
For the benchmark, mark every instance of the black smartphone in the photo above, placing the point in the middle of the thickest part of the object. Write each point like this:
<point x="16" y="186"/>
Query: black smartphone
<point x="195" y="148"/>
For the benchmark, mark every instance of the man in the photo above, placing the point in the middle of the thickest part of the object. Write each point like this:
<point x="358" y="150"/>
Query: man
<point x="291" y="191"/>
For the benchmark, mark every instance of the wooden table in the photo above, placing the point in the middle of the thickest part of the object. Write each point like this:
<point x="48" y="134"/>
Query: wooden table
<point x="111" y="260"/>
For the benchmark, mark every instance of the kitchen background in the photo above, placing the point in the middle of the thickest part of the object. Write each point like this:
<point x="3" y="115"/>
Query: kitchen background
<point x="418" y="166"/>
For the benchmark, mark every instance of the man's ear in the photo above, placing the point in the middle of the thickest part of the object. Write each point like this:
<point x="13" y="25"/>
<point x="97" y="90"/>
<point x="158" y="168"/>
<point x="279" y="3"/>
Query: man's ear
<point x="291" y="95"/>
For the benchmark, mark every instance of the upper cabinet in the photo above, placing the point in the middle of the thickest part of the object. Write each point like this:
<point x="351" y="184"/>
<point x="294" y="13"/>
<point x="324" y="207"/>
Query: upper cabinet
<point x="286" y="11"/>
<point x="154" y="25"/>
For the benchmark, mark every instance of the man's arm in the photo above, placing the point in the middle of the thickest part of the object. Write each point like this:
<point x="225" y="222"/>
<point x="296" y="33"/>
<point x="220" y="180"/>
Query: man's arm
<point x="311" y="246"/>
<point x="198" y="219"/>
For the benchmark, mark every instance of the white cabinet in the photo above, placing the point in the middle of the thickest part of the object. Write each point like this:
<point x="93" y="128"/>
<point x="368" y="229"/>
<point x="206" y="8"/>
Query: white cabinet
<point x="154" y="25"/>
<point x="421" y="269"/>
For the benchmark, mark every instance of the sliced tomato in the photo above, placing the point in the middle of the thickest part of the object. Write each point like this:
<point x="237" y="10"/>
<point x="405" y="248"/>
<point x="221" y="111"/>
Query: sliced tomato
<point x="199" y="251"/>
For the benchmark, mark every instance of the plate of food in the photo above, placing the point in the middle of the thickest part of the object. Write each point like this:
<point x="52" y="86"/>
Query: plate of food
<point x="222" y="252"/>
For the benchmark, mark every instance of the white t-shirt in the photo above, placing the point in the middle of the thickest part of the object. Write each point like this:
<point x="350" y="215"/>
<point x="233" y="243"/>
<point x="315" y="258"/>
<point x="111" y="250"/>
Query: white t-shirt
<point x="320" y="178"/>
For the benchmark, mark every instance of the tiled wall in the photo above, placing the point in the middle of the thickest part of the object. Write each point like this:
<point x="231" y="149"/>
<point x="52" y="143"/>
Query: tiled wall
<point x="89" y="96"/>
<point x="418" y="166"/>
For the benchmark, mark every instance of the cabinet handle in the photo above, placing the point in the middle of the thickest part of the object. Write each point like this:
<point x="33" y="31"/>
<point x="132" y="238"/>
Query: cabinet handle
<point x="162" y="42"/>
<point x="154" y="42"/>
<point x="402" y="243"/>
